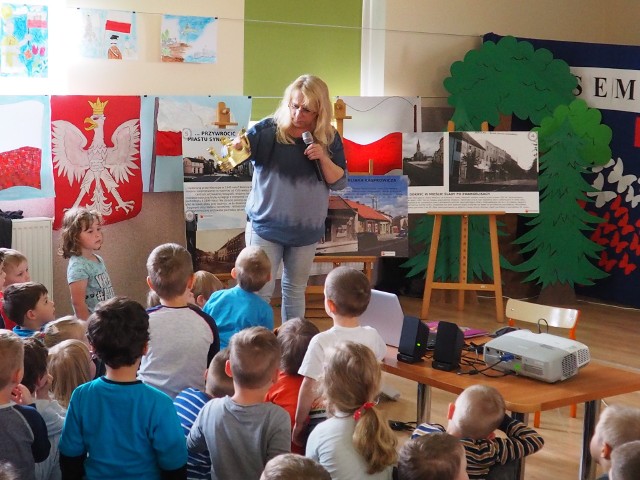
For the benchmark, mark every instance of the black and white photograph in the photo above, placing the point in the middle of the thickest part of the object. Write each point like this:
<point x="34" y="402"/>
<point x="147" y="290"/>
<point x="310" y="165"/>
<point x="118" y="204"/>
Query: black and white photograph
<point x="423" y="158"/>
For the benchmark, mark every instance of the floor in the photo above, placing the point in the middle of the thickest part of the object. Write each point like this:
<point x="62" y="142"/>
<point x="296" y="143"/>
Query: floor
<point x="611" y="332"/>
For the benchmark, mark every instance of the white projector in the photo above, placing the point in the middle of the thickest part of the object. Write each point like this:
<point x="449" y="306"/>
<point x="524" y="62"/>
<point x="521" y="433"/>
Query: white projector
<point x="537" y="355"/>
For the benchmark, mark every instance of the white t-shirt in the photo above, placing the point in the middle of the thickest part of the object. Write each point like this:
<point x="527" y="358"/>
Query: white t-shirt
<point x="313" y="363"/>
<point x="331" y="445"/>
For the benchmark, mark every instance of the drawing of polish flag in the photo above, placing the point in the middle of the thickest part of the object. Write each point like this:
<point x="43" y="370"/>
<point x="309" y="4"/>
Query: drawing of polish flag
<point x="386" y="154"/>
<point x="21" y="144"/>
<point x="118" y="21"/>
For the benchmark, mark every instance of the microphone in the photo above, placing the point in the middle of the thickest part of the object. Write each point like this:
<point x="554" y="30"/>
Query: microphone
<point x="307" y="138"/>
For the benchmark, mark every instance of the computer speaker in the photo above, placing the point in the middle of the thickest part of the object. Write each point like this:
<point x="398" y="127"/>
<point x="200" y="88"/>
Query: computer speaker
<point x="413" y="340"/>
<point x="448" y="348"/>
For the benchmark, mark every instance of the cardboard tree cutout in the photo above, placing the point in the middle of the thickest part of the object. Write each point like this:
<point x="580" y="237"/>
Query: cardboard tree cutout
<point x="500" y="79"/>
<point x="571" y="142"/>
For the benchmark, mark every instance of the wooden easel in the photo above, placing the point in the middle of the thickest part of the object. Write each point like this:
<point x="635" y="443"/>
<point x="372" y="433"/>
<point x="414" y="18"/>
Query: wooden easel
<point x="224" y="116"/>
<point x="462" y="285"/>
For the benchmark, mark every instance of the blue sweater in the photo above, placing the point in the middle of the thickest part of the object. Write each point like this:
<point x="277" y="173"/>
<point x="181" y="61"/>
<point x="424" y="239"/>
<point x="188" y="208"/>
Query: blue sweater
<point x="287" y="204"/>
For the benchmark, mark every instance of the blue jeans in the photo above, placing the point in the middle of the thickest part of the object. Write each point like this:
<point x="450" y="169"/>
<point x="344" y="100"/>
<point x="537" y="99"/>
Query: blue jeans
<point x="297" y="262"/>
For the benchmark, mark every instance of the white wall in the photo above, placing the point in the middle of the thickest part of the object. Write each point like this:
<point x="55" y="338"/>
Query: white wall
<point x="424" y="37"/>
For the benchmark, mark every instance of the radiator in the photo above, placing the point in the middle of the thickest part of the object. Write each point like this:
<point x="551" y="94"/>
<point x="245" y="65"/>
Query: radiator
<point x="33" y="238"/>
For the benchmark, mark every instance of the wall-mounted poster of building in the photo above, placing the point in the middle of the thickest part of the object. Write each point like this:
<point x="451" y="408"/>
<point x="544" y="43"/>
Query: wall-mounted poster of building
<point x="481" y="171"/>
<point x="214" y="201"/>
<point x="369" y="217"/>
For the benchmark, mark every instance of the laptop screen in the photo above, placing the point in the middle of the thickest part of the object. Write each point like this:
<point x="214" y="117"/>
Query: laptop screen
<point x="384" y="313"/>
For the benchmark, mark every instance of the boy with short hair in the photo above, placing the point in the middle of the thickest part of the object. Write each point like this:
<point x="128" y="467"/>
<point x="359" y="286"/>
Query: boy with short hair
<point x="183" y="338"/>
<point x="116" y="426"/>
<point x="16" y="270"/>
<point x="242" y="432"/>
<point x="438" y="456"/>
<point x="346" y="296"/>
<point x="28" y="306"/>
<point x="190" y="401"/>
<point x="617" y="424"/>
<point x="23" y="433"/>
<point x="240" y="307"/>
<point x="477" y="412"/>
<point x="625" y="461"/>
<point x="294" y="467"/>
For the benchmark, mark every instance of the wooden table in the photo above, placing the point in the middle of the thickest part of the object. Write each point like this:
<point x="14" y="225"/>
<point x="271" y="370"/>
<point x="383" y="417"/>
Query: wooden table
<point x="522" y="395"/>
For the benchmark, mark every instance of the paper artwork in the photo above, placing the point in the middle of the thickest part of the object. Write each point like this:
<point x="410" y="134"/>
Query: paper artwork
<point x="24" y="40"/>
<point x="188" y="39"/>
<point x="106" y="34"/>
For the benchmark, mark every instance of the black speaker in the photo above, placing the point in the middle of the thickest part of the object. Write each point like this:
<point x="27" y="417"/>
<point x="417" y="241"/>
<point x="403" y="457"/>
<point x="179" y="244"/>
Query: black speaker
<point x="448" y="349"/>
<point x="413" y="340"/>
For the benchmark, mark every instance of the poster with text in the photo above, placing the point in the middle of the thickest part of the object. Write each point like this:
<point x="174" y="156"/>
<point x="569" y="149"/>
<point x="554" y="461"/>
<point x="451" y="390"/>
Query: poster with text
<point x="369" y="217"/>
<point x="167" y="119"/>
<point x="214" y="201"/>
<point x="472" y="172"/>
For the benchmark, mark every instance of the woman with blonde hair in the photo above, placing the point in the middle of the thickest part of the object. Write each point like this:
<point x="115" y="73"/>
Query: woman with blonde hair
<point x="70" y="364"/>
<point x="356" y="441"/>
<point x="298" y="158"/>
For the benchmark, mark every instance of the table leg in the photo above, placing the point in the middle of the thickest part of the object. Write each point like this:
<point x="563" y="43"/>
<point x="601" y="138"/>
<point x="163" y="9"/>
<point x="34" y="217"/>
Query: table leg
<point x="587" y="465"/>
<point x="423" y="403"/>
<point x="524" y="418"/>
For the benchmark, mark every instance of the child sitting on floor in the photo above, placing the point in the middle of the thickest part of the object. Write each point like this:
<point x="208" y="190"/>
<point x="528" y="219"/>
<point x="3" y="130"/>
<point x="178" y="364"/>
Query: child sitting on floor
<point x="356" y="441"/>
<point x="294" y="467"/>
<point x="190" y="401"/>
<point x="240" y="307"/>
<point x="243" y="432"/>
<point x="293" y="336"/>
<point x="438" y="456"/>
<point x="477" y="412"/>
<point x="16" y="270"/>
<point x="28" y="306"/>
<point x="346" y="296"/>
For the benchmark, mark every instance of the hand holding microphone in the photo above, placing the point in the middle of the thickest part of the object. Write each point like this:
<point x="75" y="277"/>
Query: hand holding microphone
<point x="307" y="138"/>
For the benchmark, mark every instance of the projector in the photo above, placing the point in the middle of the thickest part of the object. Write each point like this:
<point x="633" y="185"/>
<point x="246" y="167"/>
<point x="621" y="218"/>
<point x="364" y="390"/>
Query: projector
<point x="542" y="356"/>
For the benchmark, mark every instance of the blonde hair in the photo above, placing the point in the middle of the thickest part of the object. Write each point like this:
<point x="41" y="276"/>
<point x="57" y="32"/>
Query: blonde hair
<point x="12" y="258"/>
<point x="65" y="328"/>
<point x="153" y="300"/>
<point x="479" y="410"/>
<point x="316" y="98"/>
<point x="68" y="364"/>
<point x="625" y="461"/>
<point x="290" y="466"/>
<point x="74" y="222"/>
<point x="618" y="424"/>
<point x="11" y="356"/>
<point x="435" y="456"/>
<point x="254" y="355"/>
<point x="351" y="380"/>
<point x="204" y="283"/>
<point x="252" y="268"/>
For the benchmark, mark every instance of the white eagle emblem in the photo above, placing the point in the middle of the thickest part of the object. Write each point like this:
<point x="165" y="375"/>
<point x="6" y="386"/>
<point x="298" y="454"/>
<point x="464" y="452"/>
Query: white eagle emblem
<point x="98" y="164"/>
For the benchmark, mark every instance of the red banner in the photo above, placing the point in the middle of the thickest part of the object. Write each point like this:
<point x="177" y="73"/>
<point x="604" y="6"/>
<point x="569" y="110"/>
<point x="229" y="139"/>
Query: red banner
<point x="386" y="154"/>
<point x="95" y="143"/>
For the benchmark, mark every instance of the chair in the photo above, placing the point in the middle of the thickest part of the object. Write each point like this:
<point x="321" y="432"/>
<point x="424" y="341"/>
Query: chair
<point x="544" y="316"/>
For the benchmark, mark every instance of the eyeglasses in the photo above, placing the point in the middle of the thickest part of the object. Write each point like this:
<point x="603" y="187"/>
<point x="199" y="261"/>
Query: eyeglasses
<point x="305" y="110"/>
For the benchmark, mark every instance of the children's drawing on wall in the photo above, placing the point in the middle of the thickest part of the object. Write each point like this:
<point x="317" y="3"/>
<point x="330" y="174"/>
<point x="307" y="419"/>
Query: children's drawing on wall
<point x="166" y="119"/>
<point x="25" y="153"/>
<point x="369" y="217"/>
<point x="95" y="146"/>
<point x="371" y="139"/>
<point x="188" y="39"/>
<point x="24" y="40"/>
<point x="110" y="34"/>
<point x="423" y="158"/>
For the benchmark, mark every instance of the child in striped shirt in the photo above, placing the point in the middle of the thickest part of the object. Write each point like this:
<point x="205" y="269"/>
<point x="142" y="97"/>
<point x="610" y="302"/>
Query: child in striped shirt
<point x="190" y="401"/>
<point x="477" y="412"/>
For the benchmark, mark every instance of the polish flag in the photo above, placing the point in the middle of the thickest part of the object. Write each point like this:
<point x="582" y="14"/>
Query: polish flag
<point x="386" y="154"/>
<point x="118" y="22"/>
